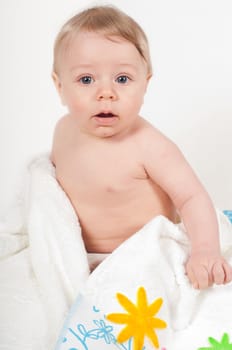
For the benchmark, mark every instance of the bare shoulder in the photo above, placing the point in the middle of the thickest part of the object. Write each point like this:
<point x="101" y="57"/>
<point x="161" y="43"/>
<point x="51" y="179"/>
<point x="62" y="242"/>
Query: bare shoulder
<point x="59" y="136"/>
<point x="160" y="155"/>
<point x="153" y="140"/>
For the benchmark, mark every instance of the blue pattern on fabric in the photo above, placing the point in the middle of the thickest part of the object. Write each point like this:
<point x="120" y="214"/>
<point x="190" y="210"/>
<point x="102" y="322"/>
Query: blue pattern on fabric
<point x="103" y="331"/>
<point x="228" y="213"/>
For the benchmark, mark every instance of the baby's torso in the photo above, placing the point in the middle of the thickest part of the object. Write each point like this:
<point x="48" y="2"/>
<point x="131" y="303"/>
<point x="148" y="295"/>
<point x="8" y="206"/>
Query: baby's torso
<point x="110" y="192"/>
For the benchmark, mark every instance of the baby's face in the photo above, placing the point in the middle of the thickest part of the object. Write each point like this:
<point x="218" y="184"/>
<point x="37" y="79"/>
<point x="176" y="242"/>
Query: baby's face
<point x="102" y="82"/>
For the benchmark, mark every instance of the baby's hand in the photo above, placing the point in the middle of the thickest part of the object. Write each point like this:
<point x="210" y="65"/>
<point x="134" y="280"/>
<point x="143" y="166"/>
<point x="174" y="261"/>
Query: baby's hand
<point x="204" y="269"/>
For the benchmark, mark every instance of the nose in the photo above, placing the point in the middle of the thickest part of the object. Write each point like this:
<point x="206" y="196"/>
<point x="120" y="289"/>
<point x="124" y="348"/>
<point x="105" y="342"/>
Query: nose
<point x="106" y="92"/>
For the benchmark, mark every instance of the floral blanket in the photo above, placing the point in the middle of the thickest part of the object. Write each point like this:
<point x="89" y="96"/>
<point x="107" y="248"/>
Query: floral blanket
<point x="137" y="298"/>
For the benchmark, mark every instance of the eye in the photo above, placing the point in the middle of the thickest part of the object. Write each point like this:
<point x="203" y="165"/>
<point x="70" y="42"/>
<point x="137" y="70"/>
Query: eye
<point x="86" y="80"/>
<point x="122" y="79"/>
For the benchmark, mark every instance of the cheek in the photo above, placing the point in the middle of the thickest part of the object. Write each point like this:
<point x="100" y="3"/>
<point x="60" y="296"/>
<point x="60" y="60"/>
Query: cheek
<point x="135" y="100"/>
<point x="138" y="92"/>
<point x="75" y="101"/>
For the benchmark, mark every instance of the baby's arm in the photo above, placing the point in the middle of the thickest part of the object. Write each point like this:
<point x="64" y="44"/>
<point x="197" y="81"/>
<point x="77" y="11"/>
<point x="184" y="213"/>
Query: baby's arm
<point x="166" y="165"/>
<point x="59" y="139"/>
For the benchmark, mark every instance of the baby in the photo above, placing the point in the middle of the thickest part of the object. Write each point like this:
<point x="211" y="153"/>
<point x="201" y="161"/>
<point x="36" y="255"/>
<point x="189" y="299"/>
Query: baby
<point x="118" y="170"/>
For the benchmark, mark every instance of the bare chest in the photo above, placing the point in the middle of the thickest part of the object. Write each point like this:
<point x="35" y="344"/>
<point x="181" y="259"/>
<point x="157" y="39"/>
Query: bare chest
<point x="112" y="195"/>
<point x="108" y="175"/>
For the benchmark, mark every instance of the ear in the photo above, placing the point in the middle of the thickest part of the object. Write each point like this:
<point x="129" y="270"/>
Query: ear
<point x="147" y="81"/>
<point x="58" y="85"/>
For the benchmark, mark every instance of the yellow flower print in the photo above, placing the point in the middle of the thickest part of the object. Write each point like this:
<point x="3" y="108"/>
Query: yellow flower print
<point x="139" y="319"/>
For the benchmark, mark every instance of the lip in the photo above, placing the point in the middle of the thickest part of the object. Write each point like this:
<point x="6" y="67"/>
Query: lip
<point x="105" y="118"/>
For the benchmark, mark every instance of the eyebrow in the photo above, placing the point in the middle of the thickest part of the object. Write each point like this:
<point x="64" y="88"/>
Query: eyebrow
<point x="89" y="65"/>
<point x="82" y="65"/>
<point x="130" y="65"/>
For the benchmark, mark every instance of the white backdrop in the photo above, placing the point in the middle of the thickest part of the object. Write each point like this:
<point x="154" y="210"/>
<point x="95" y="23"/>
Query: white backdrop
<point x="190" y="96"/>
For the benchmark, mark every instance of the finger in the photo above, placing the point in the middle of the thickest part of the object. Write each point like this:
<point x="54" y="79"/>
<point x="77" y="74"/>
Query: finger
<point x="202" y="276"/>
<point x="210" y="279"/>
<point x="228" y="272"/>
<point x="218" y="273"/>
<point x="192" y="277"/>
<point x="199" y="277"/>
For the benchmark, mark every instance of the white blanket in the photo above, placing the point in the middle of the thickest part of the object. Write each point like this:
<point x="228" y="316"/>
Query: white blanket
<point x="44" y="268"/>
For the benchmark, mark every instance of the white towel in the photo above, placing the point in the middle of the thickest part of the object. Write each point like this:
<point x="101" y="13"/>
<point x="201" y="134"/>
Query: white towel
<point x="44" y="268"/>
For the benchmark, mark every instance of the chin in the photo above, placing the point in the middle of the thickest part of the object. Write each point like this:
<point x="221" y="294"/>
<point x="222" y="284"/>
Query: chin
<point x="105" y="132"/>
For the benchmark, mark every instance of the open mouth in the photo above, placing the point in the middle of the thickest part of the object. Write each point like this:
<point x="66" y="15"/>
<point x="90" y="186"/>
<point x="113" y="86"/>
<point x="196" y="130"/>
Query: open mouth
<point x="105" y="115"/>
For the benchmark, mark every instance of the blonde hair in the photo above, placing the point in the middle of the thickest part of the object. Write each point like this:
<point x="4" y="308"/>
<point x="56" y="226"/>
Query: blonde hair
<point x="106" y="20"/>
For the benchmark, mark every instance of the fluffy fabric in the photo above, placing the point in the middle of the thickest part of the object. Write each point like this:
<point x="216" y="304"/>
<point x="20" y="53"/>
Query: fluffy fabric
<point x="43" y="263"/>
<point x="44" y="269"/>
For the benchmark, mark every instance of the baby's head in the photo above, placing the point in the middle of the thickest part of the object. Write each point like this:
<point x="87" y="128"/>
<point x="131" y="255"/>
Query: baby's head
<point x="105" y="20"/>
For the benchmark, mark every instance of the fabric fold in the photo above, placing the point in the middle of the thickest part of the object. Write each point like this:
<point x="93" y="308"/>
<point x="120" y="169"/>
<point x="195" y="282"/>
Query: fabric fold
<point x="44" y="271"/>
